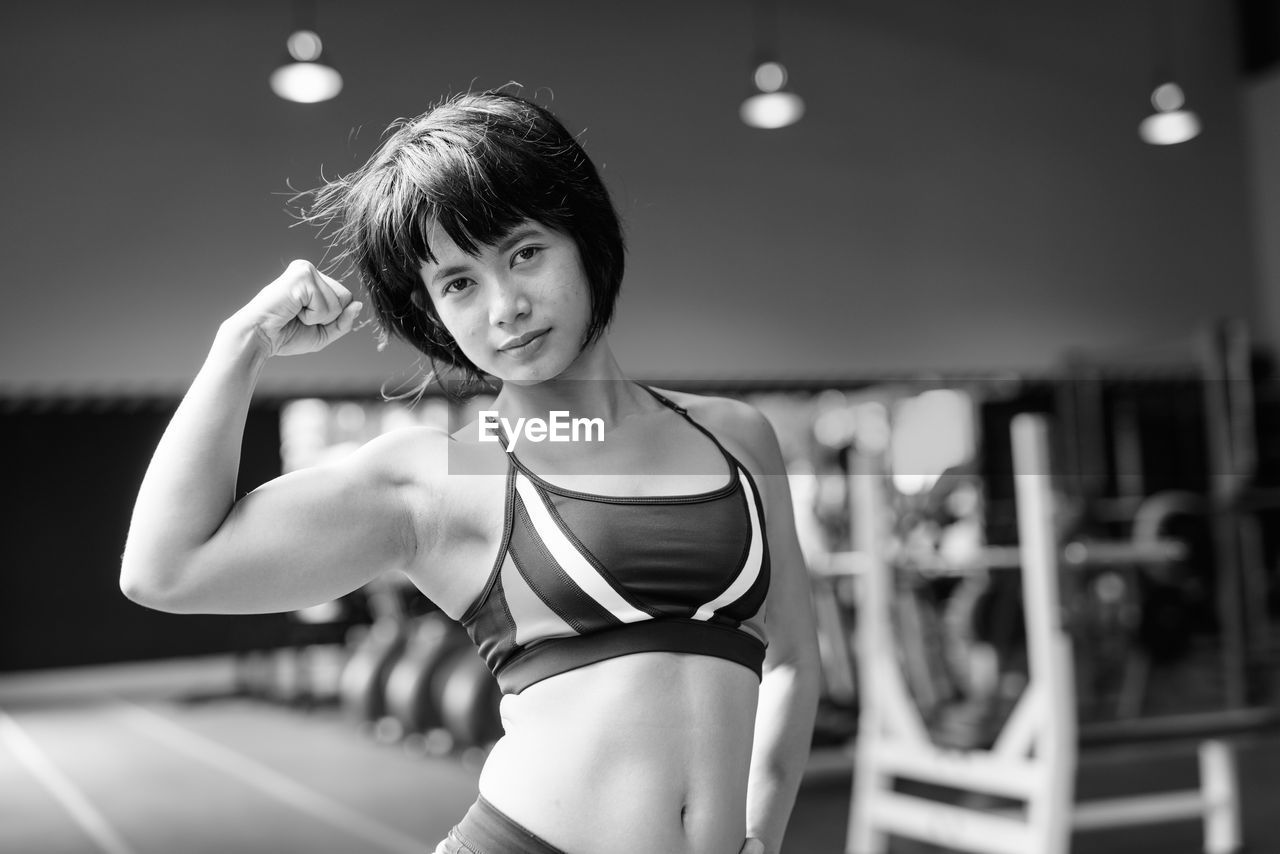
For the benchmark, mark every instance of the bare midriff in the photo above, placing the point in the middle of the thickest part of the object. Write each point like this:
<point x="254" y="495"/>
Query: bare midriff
<point x="633" y="755"/>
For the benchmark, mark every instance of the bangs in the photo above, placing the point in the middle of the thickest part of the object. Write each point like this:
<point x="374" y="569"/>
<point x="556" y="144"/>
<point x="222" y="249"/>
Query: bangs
<point x="478" y="194"/>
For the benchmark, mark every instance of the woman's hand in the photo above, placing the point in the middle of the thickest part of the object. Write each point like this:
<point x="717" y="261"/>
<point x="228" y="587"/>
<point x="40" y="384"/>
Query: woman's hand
<point x="752" y="846"/>
<point x="300" y="312"/>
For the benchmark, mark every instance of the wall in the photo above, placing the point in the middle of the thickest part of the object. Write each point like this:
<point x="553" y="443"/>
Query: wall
<point x="60" y="602"/>
<point x="968" y="191"/>
<point x="1263" y="109"/>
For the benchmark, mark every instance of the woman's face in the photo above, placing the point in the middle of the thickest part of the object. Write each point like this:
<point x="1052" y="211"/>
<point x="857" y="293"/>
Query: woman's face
<point x="520" y="309"/>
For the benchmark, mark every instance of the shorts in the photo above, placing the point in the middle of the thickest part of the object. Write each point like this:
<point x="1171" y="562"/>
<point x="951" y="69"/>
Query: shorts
<point x="487" y="830"/>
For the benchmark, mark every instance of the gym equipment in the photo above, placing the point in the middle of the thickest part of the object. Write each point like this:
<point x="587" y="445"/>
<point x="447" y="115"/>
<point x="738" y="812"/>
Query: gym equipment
<point x="1161" y="620"/>
<point x="831" y="587"/>
<point x="1033" y="759"/>
<point x="394" y="603"/>
<point x="305" y="671"/>
<point x="409" y="688"/>
<point x="418" y="676"/>
<point x="835" y="634"/>
<point x="1235" y="501"/>
<point x="1216" y="427"/>
<point x="375" y="650"/>
<point x="362" y="686"/>
<point x="468" y="698"/>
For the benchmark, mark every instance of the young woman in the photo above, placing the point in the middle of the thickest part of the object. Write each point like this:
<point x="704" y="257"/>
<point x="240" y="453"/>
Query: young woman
<point x="639" y="593"/>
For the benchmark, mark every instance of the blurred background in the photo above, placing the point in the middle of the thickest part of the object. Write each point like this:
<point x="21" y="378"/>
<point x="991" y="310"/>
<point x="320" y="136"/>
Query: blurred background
<point x="966" y="190"/>
<point x="965" y="224"/>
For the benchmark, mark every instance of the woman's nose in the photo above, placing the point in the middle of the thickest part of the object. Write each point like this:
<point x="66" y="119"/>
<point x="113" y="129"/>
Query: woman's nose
<point x="508" y="304"/>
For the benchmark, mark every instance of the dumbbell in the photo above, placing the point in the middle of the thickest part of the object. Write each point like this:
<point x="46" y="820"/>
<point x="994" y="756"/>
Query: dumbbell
<point x="468" y="700"/>
<point x="253" y="673"/>
<point x="362" y="686"/>
<point x="432" y="641"/>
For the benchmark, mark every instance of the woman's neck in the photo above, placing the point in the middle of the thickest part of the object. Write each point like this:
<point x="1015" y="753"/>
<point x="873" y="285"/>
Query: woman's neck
<point x="594" y="386"/>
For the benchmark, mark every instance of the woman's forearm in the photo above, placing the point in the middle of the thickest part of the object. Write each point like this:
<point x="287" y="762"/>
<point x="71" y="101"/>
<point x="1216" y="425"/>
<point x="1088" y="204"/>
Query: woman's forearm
<point x="190" y="484"/>
<point x="783" y="734"/>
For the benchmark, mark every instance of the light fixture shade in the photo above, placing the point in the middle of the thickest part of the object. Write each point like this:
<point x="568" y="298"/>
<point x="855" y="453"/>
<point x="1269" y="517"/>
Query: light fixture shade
<point x="770" y="110"/>
<point x="306" y="82"/>
<point x="1169" y="127"/>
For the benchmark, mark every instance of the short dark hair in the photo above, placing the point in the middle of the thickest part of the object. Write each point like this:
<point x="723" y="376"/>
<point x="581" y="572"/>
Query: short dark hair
<point x="477" y="164"/>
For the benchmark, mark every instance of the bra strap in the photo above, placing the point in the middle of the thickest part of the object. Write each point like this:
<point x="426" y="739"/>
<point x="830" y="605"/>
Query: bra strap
<point x="666" y="401"/>
<point x="734" y="465"/>
<point x="502" y="439"/>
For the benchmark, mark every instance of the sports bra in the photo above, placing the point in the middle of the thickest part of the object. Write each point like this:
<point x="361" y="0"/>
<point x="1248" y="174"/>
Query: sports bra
<point x="581" y="578"/>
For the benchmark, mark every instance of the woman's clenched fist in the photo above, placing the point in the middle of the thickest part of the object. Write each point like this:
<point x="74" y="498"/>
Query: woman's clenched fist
<point x="302" y="311"/>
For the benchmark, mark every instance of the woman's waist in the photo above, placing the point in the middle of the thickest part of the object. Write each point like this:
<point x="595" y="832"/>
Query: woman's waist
<point x="592" y="802"/>
<point x="667" y="759"/>
<point x="649" y="750"/>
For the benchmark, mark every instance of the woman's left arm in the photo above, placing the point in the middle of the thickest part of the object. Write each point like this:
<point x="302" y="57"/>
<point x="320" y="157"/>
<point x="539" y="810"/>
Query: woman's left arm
<point x="790" y="685"/>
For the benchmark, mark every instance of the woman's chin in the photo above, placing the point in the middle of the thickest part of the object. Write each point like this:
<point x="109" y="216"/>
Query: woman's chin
<point x="523" y="382"/>
<point x="539" y="370"/>
<point x="529" y="375"/>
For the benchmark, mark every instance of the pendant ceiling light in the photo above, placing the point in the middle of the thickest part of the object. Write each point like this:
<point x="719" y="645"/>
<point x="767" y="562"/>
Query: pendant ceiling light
<point x="1171" y="123"/>
<point x="770" y="105"/>
<point x="303" y="77"/>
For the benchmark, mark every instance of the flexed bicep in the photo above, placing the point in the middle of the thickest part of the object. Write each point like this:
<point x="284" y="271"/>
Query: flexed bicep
<point x="306" y="537"/>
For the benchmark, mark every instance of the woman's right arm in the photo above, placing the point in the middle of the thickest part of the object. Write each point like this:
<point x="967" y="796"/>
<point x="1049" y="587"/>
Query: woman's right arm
<point x="307" y="537"/>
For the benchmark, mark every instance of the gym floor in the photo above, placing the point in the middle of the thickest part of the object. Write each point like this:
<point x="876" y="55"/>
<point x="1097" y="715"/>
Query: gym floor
<point x="163" y="758"/>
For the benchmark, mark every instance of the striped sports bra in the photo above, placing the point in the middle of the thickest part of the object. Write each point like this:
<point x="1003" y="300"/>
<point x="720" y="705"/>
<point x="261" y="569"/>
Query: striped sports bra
<point x="581" y="578"/>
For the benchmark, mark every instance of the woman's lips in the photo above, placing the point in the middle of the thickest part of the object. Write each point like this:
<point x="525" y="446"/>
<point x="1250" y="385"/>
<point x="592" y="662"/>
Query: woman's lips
<point x="524" y="344"/>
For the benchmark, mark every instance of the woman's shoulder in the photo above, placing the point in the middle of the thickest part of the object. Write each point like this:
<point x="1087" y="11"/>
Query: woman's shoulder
<point x="721" y="408"/>
<point x="731" y="418"/>
<point x="417" y="456"/>
<point x="432" y="472"/>
<point x="404" y="448"/>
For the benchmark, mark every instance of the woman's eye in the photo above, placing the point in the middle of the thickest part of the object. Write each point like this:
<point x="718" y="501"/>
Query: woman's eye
<point x="456" y="285"/>
<point x="527" y="253"/>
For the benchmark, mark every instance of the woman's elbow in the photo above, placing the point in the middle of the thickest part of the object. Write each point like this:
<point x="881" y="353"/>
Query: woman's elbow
<point x="141" y="592"/>
<point x="145" y="584"/>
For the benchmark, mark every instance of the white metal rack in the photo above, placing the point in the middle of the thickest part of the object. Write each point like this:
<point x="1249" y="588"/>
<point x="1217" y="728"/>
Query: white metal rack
<point x="1033" y="760"/>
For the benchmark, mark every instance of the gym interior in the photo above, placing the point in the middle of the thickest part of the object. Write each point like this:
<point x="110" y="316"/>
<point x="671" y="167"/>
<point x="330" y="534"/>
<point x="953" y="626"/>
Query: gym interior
<point x="1010" y="302"/>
